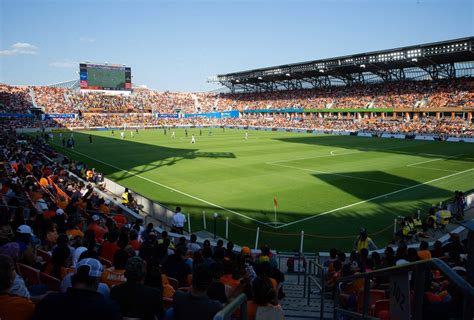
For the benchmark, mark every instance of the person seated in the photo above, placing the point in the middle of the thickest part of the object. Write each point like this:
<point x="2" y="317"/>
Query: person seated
<point x="115" y="275"/>
<point x="12" y="306"/>
<point x="82" y="301"/>
<point x="265" y="297"/>
<point x="195" y="304"/>
<point x="136" y="300"/>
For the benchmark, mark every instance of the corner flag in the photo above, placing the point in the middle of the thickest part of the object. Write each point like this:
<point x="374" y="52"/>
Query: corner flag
<point x="275" y="202"/>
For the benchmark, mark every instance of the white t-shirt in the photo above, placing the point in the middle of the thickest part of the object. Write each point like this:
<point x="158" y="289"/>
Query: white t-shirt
<point x="179" y="220"/>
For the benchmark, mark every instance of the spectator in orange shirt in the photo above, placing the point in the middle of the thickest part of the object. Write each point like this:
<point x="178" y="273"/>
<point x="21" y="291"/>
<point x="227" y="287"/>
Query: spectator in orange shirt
<point x="109" y="247"/>
<point x="263" y="296"/>
<point x="99" y="228"/>
<point x="134" y="243"/>
<point x="11" y="306"/>
<point x="115" y="275"/>
<point x="424" y="253"/>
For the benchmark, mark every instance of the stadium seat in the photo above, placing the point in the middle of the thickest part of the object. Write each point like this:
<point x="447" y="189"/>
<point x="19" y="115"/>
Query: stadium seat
<point x="374" y="296"/>
<point x="173" y="282"/>
<point x="44" y="255"/>
<point x="381" y="305"/>
<point x="52" y="283"/>
<point x="29" y="274"/>
<point x="105" y="262"/>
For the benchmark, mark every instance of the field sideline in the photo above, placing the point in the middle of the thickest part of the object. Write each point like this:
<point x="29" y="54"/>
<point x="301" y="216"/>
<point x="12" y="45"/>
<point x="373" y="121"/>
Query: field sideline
<point x="327" y="186"/>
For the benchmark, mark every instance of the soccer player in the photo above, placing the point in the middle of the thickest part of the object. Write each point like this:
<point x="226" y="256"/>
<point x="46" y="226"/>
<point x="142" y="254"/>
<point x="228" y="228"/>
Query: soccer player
<point x="60" y="136"/>
<point x="131" y="134"/>
<point x="122" y="135"/>
<point x="193" y="140"/>
<point x="246" y="135"/>
<point x="113" y="132"/>
<point x="172" y="134"/>
<point x="200" y="132"/>
<point x="186" y="132"/>
<point x="90" y="139"/>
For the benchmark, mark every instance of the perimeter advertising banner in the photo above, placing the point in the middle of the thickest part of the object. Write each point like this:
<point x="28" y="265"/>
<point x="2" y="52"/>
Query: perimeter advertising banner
<point x="215" y="115"/>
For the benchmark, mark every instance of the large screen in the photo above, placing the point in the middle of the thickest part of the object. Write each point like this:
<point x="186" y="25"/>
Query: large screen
<point x="105" y="77"/>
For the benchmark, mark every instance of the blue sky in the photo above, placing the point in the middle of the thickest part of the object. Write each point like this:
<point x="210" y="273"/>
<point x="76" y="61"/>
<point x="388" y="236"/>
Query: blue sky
<point x="176" y="44"/>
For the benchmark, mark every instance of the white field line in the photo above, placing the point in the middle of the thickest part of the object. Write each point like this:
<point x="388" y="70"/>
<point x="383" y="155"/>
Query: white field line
<point x="432" y="160"/>
<point x="374" y="198"/>
<point x="169" y="188"/>
<point x="436" y="169"/>
<point x="332" y="154"/>
<point x="340" y="175"/>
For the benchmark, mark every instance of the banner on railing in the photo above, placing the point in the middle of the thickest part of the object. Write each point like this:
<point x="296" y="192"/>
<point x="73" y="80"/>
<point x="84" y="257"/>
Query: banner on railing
<point x="167" y="115"/>
<point x="16" y="115"/>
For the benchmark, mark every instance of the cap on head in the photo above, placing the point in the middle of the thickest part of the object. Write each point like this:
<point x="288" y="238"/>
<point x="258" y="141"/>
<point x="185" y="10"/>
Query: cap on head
<point x="95" y="218"/>
<point x="24" y="229"/>
<point x="94" y="265"/>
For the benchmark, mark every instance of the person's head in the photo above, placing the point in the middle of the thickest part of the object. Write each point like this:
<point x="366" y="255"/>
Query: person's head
<point x="424" y="245"/>
<point x="363" y="233"/>
<point x="164" y="235"/>
<point x="263" y="292"/>
<point x="7" y="273"/>
<point x="126" y="190"/>
<point x="207" y="252"/>
<point x="364" y="253"/>
<point x="113" y="236"/>
<point x="135" y="269"/>
<point x="437" y="245"/>
<point x="412" y="255"/>
<point x="181" y="241"/>
<point x="333" y="253"/>
<point x="120" y="259"/>
<point x="265" y="250"/>
<point x="193" y="238"/>
<point x="220" y="243"/>
<point x="24" y="233"/>
<point x="149" y="227"/>
<point x="133" y="235"/>
<point x="206" y="243"/>
<point x="375" y="258"/>
<point x="230" y="246"/>
<point x="202" y="278"/>
<point x="341" y="256"/>
<point x="88" y="273"/>
<point x="181" y="252"/>
<point x="178" y="209"/>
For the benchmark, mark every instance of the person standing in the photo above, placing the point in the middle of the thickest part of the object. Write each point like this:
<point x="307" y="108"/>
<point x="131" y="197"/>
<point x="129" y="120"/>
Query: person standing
<point x="179" y="219"/>
<point x="193" y="140"/>
<point x="90" y="139"/>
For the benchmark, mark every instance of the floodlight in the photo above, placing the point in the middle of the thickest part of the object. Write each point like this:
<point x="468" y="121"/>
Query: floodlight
<point x="362" y="65"/>
<point x="259" y="78"/>
<point x="414" y="60"/>
<point x="287" y="74"/>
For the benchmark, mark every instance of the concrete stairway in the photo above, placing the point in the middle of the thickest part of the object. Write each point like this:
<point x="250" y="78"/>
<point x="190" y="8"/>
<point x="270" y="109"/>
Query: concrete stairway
<point x="295" y="305"/>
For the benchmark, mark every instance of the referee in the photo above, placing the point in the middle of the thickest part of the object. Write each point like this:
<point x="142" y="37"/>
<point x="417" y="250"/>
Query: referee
<point x="179" y="219"/>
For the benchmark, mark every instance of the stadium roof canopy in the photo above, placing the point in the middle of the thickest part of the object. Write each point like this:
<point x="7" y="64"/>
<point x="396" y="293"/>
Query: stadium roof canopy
<point x="438" y="60"/>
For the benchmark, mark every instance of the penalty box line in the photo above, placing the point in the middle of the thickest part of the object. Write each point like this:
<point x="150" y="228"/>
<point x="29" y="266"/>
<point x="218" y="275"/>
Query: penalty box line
<point x="374" y="198"/>
<point x="170" y="188"/>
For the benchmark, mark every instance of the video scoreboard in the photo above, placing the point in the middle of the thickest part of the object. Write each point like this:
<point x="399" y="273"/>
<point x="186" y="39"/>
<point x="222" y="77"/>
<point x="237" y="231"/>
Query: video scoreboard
<point x="105" y="77"/>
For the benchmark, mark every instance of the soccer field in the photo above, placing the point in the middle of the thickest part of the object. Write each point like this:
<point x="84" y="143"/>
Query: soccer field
<point x="328" y="186"/>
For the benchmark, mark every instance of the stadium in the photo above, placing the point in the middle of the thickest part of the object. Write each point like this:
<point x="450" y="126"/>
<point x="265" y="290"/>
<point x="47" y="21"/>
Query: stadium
<point x="344" y="184"/>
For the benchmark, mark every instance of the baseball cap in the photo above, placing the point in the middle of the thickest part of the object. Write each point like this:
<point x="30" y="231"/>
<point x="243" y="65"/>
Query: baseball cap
<point x="135" y="268"/>
<point x="59" y="212"/>
<point x="25" y="229"/>
<point x="107" y="202"/>
<point x="95" y="217"/>
<point x="94" y="265"/>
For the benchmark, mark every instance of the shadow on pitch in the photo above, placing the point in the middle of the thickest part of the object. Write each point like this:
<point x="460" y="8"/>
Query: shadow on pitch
<point x="427" y="149"/>
<point x="129" y="157"/>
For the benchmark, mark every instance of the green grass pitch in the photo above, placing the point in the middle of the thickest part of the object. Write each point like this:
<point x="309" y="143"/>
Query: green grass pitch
<point x="328" y="186"/>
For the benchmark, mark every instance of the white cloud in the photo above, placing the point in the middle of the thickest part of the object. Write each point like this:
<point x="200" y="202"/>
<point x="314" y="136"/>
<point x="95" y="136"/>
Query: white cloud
<point x="64" y="64"/>
<point x="86" y="39"/>
<point x="19" y="48"/>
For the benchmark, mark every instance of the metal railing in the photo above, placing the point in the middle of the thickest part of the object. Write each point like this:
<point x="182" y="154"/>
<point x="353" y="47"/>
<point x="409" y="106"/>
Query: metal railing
<point x="311" y="277"/>
<point x="300" y="257"/>
<point x="420" y="268"/>
<point x="228" y="310"/>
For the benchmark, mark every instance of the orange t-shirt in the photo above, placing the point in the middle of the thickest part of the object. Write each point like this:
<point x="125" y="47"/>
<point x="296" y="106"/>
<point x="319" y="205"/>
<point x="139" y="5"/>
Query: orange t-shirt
<point x="135" y="244"/>
<point x="73" y="233"/>
<point x="15" y="308"/>
<point x="168" y="291"/>
<point x="228" y="280"/>
<point x="104" y="209"/>
<point x="44" y="182"/>
<point x="424" y="254"/>
<point x="112" y="277"/>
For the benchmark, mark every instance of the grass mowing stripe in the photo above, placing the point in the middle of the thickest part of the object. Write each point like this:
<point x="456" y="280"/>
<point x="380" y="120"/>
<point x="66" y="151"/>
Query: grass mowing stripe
<point x="167" y="187"/>
<point x="374" y="198"/>
<point x="340" y="175"/>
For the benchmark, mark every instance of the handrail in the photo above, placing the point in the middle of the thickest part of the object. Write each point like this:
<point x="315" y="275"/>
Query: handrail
<point x="228" y="310"/>
<point x="419" y="283"/>
<point x="309" y="278"/>
<point x="463" y="285"/>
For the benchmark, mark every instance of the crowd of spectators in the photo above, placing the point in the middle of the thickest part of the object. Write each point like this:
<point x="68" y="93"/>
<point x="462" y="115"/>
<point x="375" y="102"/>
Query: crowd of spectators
<point x="67" y="252"/>
<point x="442" y="299"/>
